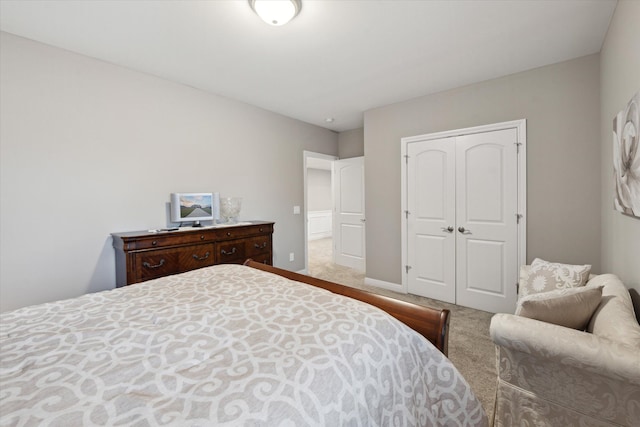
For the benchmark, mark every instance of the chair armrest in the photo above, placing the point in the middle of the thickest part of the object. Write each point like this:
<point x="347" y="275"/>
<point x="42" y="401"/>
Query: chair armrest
<point x="567" y="346"/>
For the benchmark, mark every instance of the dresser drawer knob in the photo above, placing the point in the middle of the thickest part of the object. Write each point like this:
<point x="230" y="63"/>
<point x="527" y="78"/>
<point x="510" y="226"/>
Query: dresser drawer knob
<point x="154" y="243"/>
<point x="202" y="237"/>
<point x="147" y="265"/>
<point x="233" y="251"/>
<point x="201" y="258"/>
<point x="262" y="246"/>
<point x="228" y="234"/>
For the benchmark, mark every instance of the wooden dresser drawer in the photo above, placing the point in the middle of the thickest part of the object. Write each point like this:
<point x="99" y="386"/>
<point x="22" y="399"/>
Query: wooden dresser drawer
<point x="197" y="256"/>
<point x="152" y="264"/>
<point x="258" y="245"/>
<point x="231" y="252"/>
<point x="173" y="239"/>
<point x="262" y="258"/>
<point x="244" y="231"/>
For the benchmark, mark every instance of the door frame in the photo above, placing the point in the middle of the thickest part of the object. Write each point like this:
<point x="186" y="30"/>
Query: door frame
<point x="521" y="129"/>
<point x="305" y="156"/>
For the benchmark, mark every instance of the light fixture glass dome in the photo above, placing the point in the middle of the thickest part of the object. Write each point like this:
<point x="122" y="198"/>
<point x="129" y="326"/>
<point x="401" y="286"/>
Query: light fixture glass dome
<point x="276" y="12"/>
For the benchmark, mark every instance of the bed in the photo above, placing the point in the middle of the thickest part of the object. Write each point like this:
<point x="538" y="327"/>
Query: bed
<point x="231" y="345"/>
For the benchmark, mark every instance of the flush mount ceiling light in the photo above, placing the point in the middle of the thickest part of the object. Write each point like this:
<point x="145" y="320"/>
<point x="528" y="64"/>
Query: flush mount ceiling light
<point x="276" y="12"/>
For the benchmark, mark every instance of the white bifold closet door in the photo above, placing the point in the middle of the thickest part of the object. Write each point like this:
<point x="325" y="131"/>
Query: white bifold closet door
<point x="462" y="220"/>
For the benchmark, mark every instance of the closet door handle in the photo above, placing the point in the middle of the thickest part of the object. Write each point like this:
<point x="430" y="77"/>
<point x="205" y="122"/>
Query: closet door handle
<point x="448" y="229"/>
<point x="463" y="230"/>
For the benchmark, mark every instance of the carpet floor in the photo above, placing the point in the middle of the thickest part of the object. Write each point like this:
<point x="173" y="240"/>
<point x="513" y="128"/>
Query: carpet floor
<point x="470" y="347"/>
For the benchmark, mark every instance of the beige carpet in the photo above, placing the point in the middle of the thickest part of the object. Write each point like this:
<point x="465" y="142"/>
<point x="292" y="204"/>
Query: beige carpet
<point x="470" y="347"/>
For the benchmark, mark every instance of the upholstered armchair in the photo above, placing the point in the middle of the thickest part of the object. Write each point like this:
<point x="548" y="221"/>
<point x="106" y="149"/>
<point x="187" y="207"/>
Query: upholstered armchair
<point x="552" y="375"/>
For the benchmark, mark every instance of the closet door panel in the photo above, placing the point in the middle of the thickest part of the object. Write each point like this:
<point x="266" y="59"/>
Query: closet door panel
<point x="486" y="222"/>
<point x="431" y="206"/>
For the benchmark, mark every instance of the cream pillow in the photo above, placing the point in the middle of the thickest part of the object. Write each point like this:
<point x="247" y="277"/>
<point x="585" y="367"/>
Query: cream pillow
<point x="572" y="307"/>
<point x="543" y="276"/>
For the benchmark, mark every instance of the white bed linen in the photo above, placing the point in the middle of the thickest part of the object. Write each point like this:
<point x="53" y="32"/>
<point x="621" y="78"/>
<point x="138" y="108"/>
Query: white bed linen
<point x="223" y="345"/>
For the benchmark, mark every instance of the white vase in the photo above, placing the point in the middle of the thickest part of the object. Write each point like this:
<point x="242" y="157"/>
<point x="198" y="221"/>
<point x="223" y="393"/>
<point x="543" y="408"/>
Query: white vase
<point x="230" y="209"/>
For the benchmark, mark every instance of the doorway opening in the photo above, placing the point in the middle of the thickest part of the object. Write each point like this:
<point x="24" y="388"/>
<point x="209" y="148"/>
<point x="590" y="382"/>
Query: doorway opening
<point x="332" y="240"/>
<point x="318" y="209"/>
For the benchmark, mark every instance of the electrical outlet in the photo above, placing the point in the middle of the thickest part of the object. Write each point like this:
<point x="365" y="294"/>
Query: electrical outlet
<point x="291" y="256"/>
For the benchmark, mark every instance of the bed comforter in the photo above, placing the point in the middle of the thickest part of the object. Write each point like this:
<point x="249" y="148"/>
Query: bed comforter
<point x="225" y="345"/>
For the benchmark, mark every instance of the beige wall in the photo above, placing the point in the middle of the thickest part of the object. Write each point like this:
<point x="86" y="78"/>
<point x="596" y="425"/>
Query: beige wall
<point x="351" y="143"/>
<point x="89" y="148"/>
<point x="620" y="80"/>
<point x="562" y="107"/>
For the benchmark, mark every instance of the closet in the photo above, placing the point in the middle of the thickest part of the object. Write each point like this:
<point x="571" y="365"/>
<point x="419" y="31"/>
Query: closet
<point x="463" y="215"/>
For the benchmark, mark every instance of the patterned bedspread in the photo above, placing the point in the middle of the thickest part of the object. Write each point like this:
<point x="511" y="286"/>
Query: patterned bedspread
<point x="225" y="345"/>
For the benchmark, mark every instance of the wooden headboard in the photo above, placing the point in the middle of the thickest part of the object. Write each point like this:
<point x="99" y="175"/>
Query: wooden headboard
<point x="432" y="323"/>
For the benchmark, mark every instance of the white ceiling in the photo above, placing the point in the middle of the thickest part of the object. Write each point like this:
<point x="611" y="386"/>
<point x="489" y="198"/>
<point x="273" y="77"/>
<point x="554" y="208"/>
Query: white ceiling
<point x="335" y="59"/>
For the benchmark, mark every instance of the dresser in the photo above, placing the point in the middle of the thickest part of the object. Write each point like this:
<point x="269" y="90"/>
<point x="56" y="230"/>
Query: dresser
<point x="144" y="255"/>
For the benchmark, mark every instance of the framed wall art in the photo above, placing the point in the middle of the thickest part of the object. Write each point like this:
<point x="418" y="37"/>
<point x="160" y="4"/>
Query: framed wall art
<point x="626" y="158"/>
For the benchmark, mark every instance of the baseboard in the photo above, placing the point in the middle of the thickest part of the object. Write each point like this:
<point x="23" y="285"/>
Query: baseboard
<point x="384" y="285"/>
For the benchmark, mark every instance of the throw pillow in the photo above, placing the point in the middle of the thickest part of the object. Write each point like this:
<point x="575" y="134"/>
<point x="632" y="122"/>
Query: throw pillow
<point x="571" y="307"/>
<point x="543" y="276"/>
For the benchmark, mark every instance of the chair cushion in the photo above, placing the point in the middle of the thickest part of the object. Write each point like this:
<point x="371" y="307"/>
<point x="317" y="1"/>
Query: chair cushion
<point x="542" y="276"/>
<point x="571" y="307"/>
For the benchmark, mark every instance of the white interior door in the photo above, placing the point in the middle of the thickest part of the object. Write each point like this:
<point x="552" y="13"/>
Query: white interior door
<point x="431" y="219"/>
<point x="486" y="220"/>
<point x="349" y="218"/>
